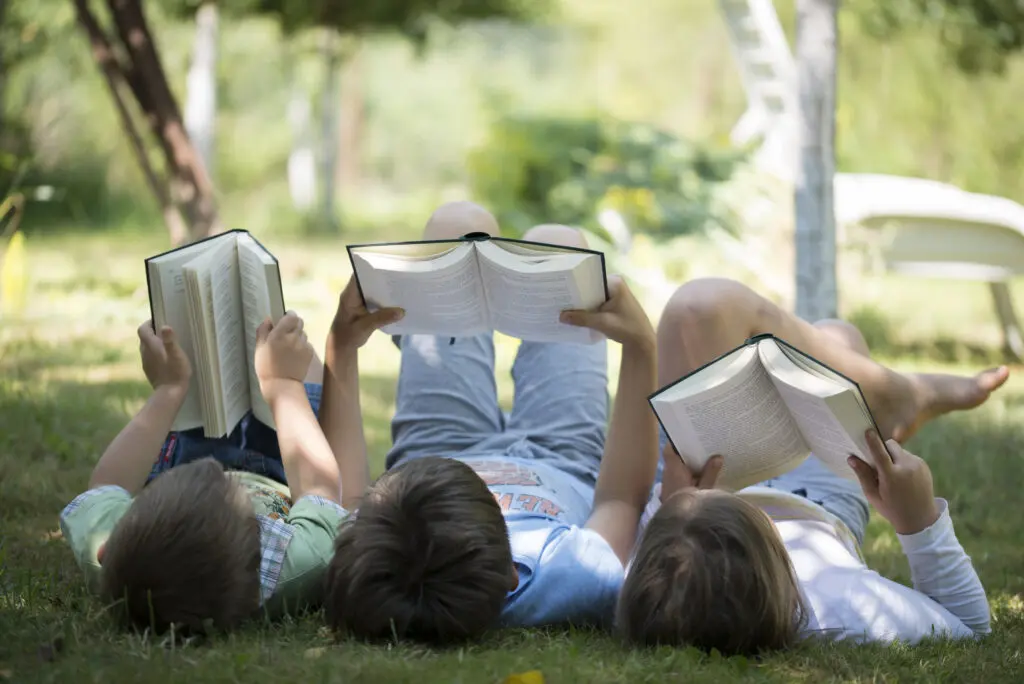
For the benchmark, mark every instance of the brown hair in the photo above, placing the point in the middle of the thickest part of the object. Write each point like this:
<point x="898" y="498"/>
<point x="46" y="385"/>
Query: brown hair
<point x="711" y="572"/>
<point x="185" y="554"/>
<point x="426" y="558"/>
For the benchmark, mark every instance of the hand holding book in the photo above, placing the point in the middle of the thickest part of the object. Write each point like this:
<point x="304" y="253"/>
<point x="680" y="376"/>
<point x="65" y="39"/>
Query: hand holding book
<point x="163" y="360"/>
<point x="283" y="354"/>
<point x="621" y="318"/>
<point x="899" y="486"/>
<point x="353" y="323"/>
<point x="678" y="476"/>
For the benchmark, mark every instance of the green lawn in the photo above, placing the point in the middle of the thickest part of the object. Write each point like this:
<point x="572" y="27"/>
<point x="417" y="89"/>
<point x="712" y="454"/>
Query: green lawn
<point x="69" y="377"/>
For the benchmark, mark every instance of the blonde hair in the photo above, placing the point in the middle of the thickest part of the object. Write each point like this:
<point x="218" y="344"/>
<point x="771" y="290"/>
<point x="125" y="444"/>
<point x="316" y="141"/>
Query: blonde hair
<point x="711" y="572"/>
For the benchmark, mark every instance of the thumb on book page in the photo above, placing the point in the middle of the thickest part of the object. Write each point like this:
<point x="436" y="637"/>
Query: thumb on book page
<point x="263" y="331"/>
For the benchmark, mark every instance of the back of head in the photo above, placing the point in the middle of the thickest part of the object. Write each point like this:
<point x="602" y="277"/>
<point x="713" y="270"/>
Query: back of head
<point x="186" y="553"/>
<point x="426" y="558"/>
<point x="711" y="572"/>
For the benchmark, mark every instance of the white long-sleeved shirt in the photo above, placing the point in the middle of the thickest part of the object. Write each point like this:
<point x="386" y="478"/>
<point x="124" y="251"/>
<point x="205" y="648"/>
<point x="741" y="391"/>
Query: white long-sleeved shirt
<point x="845" y="599"/>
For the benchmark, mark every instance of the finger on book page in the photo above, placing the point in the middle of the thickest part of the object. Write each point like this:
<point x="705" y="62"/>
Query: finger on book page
<point x="709" y="474"/>
<point x="263" y="331"/>
<point x="867" y="475"/>
<point x="883" y="461"/>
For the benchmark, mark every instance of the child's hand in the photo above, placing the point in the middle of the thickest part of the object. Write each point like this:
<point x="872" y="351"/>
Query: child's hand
<point x="678" y="476"/>
<point x="163" y="360"/>
<point x="283" y="353"/>
<point x="353" y="323"/>
<point x="900" y="488"/>
<point x="621" y="318"/>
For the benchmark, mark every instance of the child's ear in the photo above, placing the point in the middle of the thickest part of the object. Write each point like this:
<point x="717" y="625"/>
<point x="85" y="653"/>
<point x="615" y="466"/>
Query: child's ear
<point x="515" y="579"/>
<point x="100" y="552"/>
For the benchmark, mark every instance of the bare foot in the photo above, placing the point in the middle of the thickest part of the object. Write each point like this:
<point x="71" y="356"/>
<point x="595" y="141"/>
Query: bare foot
<point x="935" y="394"/>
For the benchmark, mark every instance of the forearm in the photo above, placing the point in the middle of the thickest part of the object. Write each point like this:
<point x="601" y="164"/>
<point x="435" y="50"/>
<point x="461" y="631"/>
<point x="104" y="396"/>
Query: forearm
<point x="631" y="449"/>
<point x="129" y="459"/>
<point x="308" y="461"/>
<point x="943" y="571"/>
<point x="630" y="455"/>
<point x="341" y="418"/>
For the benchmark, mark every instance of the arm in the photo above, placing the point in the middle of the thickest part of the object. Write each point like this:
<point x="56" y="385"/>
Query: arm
<point x="900" y="488"/>
<point x="943" y="571"/>
<point x="130" y="457"/>
<point x="630" y="456"/>
<point x="341" y="415"/>
<point x="308" y="461"/>
<point x="283" y="355"/>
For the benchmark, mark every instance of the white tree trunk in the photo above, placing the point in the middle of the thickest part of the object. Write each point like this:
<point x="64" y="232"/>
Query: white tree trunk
<point x="816" y="47"/>
<point x="302" y="159"/>
<point x="329" y="123"/>
<point x="201" y="100"/>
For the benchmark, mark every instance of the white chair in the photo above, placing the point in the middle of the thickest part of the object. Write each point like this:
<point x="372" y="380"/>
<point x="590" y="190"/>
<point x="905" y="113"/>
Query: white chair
<point x="931" y="229"/>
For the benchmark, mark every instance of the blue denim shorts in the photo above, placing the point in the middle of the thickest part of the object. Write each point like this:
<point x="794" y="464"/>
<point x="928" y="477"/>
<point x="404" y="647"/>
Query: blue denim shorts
<point x="251" y="447"/>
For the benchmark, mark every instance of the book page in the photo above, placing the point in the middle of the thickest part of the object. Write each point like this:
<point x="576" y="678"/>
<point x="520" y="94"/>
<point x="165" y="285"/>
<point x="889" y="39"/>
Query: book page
<point x="441" y="295"/>
<point x="827" y="413"/>
<point x="260" y="283"/>
<point x="744" y="419"/>
<point x="229" y="335"/>
<point x="526" y="294"/>
<point x="204" y="362"/>
<point x="170" y="299"/>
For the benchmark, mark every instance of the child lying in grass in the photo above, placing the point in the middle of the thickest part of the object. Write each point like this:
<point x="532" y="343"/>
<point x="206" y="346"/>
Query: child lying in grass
<point x="198" y="533"/>
<point x="772" y="564"/>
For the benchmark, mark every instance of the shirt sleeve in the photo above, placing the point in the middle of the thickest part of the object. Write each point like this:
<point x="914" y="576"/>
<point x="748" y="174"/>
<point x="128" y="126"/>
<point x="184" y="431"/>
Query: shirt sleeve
<point x="942" y="570"/>
<point x="313" y="523"/>
<point x="575" y="579"/>
<point x="87" y="522"/>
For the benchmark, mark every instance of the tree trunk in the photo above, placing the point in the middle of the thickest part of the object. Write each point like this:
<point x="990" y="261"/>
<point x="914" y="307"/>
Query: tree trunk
<point x="201" y="100"/>
<point x="190" y="186"/>
<point x="816" y="48"/>
<point x="329" y="131"/>
<point x="350" y="138"/>
<point x="302" y="158"/>
<point x="115" y="77"/>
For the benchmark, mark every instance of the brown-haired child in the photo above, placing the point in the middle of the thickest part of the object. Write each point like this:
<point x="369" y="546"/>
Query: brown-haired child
<point x="176" y="529"/>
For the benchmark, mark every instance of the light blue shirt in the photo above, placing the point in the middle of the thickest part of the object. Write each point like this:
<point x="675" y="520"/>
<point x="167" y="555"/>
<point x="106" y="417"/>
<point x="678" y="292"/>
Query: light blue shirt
<point x="567" y="574"/>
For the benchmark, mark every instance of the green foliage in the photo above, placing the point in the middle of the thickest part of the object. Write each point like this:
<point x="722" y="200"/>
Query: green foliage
<point x="409" y="17"/>
<point x="979" y="34"/>
<point x="565" y="170"/>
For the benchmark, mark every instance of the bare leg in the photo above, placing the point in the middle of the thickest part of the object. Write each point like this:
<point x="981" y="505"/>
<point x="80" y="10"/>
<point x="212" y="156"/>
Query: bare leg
<point x="706" y="318"/>
<point x="844" y="333"/>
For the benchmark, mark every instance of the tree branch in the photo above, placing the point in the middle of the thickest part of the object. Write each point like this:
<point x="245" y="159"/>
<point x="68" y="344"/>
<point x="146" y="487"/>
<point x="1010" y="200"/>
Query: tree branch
<point x="114" y="73"/>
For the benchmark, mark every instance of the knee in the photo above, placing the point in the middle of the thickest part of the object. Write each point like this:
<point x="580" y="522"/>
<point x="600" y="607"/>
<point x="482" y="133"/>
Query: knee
<point x="845" y="333"/>
<point x="556" y="234"/>
<point x="454" y="219"/>
<point x="705" y="303"/>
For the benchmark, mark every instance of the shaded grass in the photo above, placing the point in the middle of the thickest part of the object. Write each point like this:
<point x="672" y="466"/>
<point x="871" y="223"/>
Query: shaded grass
<point x="69" y="379"/>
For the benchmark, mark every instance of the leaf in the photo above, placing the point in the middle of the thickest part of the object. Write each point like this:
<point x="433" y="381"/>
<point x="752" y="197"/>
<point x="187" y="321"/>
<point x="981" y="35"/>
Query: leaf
<point x="528" y="677"/>
<point x="13" y="276"/>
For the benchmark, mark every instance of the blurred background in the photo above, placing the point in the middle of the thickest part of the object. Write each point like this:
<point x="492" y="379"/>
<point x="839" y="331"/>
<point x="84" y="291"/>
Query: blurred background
<point x="316" y="124"/>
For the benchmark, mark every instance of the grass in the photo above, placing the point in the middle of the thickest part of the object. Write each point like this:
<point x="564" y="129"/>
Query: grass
<point x="69" y="378"/>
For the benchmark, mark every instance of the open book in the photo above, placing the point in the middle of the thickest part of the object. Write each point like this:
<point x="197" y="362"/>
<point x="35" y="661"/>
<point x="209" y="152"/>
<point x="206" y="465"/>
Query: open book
<point x="765" y="407"/>
<point x="478" y="284"/>
<point x="214" y="294"/>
